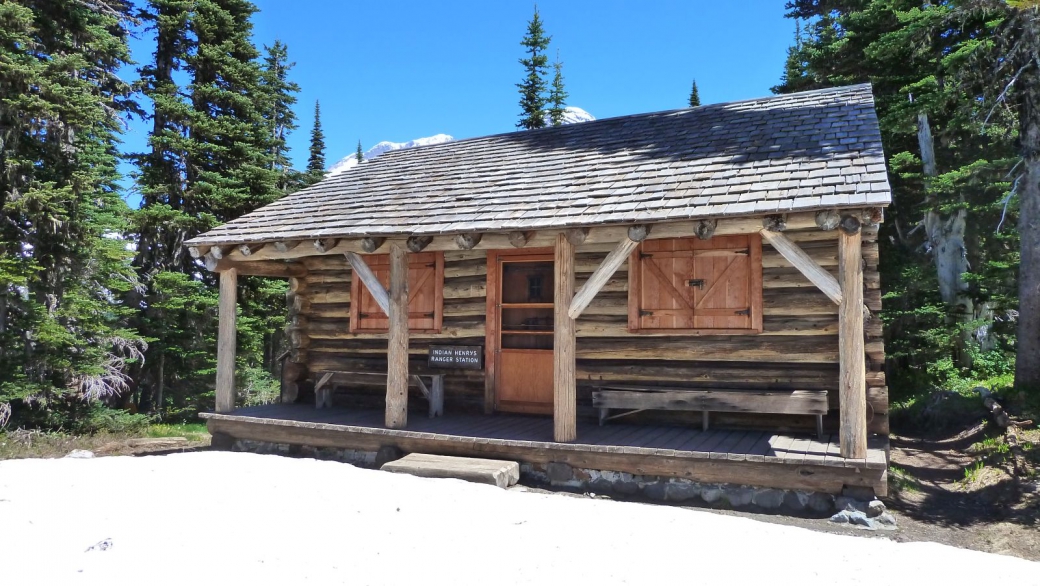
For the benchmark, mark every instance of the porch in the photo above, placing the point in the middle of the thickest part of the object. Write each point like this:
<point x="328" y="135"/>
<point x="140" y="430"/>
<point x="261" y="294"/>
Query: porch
<point x="758" y="458"/>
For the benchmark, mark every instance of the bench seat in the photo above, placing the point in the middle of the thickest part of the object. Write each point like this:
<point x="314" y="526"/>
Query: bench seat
<point x="641" y="398"/>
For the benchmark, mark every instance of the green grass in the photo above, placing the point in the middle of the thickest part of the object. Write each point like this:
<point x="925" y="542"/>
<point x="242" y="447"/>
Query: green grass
<point x="973" y="471"/>
<point x="193" y="431"/>
<point x="901" y="481"/>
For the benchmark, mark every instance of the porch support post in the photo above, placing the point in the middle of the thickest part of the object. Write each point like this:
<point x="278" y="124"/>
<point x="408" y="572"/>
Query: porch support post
<point x="852" y="370"/>
<point x="397" y="353"/>
<point x="226" y="341"/>
<point x="565" y="426"/>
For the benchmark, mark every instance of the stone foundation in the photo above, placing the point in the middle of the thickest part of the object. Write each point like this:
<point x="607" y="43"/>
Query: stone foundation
<point x="676" y="490"/>
<point x="560" y="475"/>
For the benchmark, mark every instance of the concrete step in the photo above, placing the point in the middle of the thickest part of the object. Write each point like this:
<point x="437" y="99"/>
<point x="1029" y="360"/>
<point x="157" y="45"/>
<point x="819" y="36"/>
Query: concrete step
<point x="500" y="473"/>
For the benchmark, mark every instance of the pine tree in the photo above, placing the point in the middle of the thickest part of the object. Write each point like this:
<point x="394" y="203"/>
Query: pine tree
<point x="64" y="341"/>
<point x="943" y="283"/>
<point x="695" y="96"/>
<point x="279" y="95"/>
<point x="212" y="157"/>
<point x="533" y="87"/>
<point x="359" y="154"/>
<point x="316" y="162"/>
<point x="557" y="94"/>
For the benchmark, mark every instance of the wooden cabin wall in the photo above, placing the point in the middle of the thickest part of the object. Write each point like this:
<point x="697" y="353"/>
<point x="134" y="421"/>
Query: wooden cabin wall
<point x="798" y="348"/>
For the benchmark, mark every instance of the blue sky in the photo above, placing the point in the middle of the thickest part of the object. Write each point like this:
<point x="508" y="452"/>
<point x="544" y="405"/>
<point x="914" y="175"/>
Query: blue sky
<point x="404" y="69"/>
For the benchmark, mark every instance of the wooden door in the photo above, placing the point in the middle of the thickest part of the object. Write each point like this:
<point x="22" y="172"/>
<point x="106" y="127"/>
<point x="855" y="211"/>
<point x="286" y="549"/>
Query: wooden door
<point x="520" y="331"/>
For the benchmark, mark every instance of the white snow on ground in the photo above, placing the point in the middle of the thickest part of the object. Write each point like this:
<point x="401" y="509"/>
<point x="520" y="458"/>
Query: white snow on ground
<point x="233" y="518"/>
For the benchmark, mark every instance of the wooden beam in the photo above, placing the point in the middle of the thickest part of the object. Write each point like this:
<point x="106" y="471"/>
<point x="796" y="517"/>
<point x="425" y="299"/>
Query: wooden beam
<point x="418" y="243"/>
<point x="596" y="235"/>
<point x="565" y="427"/>
<point x="371" y="244"/>
<point x="283" y="247"/>
<point x="216" y="252"/>
<point x="369" y="280"/>
<point x="775" y="222"/>
<point x="226" y="342"/>
<point x="249" y="249"/>
<point x="468" y="241"/>
<point x="639" y="232"/>
<point x="794" y="254"/>
<point x="520" y="239"/>
<point x="852" y="387"/>
<point x="257" y="268"/>
<point x="198" y="251"/>
<point x="827" y="219"/>
<point x="576" y="236"/>
<point x="600" y="276"/>
<point x="397" y="351"/>
<point x="705" y="229"/>
<point x="324" y="244"/>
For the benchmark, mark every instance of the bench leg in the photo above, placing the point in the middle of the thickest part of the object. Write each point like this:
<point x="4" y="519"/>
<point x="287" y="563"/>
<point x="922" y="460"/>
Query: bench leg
<point x="819" y="427"/>
<point x="603" y="413"/>
<point x="437" y="396"/>
<point x="704" y="420"/>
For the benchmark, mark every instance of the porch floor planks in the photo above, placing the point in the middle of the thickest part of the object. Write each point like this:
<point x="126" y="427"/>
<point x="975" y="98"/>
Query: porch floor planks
<point x="680" y="441"/>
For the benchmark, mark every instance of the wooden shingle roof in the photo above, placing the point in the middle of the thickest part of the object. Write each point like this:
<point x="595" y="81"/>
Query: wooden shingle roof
<point x="797" y="152"/>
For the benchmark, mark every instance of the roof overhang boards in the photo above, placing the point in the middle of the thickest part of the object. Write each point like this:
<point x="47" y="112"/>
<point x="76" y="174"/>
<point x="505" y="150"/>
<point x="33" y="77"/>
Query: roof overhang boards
<point x="270" y="258"/>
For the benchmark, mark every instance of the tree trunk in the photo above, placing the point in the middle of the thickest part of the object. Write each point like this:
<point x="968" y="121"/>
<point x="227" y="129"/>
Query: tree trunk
<point x="1027" y="363"/>
<point x="946" y="236"/>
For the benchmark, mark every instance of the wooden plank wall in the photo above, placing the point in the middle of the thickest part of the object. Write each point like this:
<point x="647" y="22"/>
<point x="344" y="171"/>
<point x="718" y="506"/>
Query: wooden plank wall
<point x="798" y="348"/>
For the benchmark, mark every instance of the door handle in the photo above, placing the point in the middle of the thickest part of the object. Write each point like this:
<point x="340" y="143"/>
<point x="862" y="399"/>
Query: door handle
<point x="698" y="283"/>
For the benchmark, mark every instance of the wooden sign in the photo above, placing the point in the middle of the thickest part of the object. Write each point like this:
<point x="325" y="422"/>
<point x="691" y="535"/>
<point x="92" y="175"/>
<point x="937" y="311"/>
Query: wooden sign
<point x="457" y="357"/>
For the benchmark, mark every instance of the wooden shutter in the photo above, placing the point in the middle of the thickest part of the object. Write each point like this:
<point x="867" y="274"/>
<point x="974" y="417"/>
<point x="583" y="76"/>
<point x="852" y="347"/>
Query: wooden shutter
<point x="425" y="295"/>
<point x="690" y="284"/>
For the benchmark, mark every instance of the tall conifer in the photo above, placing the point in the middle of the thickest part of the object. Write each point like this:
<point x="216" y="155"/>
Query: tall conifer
<point x="695" y="95"/>
<point x="533" y="87"/>
<point x="359" y="154"/>
<point x="64" y="343"/>
<point x="316" y="161"/>
<point x="557" y="94"/>
<point x="279" y="93"/>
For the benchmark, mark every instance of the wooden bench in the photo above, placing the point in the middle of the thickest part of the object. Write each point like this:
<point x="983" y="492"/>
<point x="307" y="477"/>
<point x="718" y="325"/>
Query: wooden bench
<point x="639" y="398"/>
<point x="434" y="393"/>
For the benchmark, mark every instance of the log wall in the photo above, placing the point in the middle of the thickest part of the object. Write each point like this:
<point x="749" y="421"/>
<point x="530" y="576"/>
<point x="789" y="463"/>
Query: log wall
<point x="798" y="348"/>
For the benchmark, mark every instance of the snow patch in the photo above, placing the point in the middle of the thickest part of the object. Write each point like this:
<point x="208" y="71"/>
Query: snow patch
<point x="350" y="161"/>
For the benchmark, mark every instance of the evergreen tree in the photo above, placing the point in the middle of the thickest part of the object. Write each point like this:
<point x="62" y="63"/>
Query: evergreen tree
<point x="212" y="157"/>
<point x="695" y="96"/>
<point x="557" y="94"/>
<point x="533" y="87"/>
<point x="64" y="341"/>
<point x="316" y="161"/>
<point x="359" y="154"/>
<point x="279" y="94"/>
<point x="946" y="282"/>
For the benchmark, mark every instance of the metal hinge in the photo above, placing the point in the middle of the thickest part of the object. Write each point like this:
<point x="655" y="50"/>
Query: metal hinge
<point x="699" y="283"/>
<point x="645" y="313"/>
<point x="745" y="251"/>
<point x="643" y="255"/>
<point x="746" y="312"/>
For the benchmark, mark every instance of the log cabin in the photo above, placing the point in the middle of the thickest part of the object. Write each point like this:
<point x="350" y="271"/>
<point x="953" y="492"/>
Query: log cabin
<point x="688" y="294"/>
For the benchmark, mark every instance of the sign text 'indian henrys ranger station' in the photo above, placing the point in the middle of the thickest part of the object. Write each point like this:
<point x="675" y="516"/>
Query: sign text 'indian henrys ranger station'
<point x="457" y="356"/>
